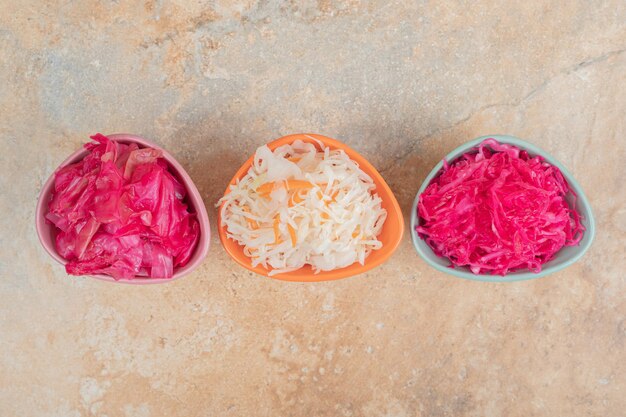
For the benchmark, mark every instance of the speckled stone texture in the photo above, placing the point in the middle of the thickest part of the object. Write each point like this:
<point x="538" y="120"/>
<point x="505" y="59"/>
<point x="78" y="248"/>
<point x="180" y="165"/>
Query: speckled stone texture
<point x="401" y="82"/>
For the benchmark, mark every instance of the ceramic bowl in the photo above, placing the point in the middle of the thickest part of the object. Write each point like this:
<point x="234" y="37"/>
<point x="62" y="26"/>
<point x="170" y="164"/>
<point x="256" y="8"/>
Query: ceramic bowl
<point x="390" y="236"/>
<point x="47" y="231"/>
<point x="565" y="257"/>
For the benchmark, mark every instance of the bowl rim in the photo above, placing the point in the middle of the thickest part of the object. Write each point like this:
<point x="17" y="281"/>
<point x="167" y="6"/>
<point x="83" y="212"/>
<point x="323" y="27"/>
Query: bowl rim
<point x="514" y="276"/>
<point x="194" y="197"/>
<point x="305" y="276"/>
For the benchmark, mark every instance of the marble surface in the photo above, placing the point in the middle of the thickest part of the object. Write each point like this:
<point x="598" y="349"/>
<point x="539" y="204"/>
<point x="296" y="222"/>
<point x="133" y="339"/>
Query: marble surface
<point x="401" y="82"/>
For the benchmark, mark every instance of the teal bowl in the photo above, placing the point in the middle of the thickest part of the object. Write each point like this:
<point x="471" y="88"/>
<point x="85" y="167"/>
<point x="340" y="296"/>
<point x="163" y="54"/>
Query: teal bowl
<point x="565" y="257"/>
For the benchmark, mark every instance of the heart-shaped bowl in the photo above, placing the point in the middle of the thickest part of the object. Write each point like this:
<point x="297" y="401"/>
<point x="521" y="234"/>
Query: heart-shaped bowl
<point x="390" y="235"/>
<point x="565" y="257"/>
<point x="46" y="231"/>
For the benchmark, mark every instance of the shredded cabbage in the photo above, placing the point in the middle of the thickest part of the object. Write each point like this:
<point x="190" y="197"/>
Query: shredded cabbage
<point x="300" y="206"/>
<point x="120" y="212"/>
<point x="497" y="209"/>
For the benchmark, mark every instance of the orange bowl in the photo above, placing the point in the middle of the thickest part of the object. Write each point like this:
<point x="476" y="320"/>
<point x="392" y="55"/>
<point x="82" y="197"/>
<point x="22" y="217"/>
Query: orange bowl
<point x="390" y="235"/>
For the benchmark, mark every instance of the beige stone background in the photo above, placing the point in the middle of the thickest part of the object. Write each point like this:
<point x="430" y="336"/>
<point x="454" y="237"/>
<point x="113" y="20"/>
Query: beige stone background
<point x="401" y="82"/>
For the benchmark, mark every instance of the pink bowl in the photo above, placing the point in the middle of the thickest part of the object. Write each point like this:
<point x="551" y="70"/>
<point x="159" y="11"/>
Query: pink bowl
<point x="47" y="231"/>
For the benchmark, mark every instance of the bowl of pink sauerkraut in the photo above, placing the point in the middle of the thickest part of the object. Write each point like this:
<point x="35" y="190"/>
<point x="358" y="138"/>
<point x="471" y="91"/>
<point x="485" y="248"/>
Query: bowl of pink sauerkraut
<point x="121" y="209"/>
<point x="500" y="209"/>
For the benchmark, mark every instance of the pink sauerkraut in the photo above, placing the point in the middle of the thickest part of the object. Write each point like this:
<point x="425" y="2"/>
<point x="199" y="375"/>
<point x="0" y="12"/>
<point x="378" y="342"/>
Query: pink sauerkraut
<point x="120" y="212"/>
<point x="498" y="210"/>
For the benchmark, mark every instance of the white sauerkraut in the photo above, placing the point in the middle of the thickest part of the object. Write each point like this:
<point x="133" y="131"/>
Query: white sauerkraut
<point x="301" y="206"/>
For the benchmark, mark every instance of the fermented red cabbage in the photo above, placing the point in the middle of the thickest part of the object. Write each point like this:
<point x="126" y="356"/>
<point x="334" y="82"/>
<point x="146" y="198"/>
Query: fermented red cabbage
<point x="120" y="212"/>
<point x="497" y="210"/>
